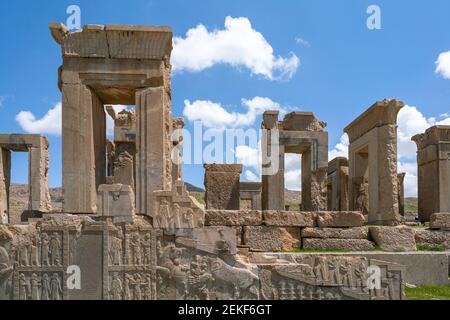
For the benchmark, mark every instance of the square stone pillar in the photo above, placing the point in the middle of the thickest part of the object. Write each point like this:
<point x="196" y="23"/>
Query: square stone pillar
<point x="338" y="184"/>
<point x="373" y="182"/>
<point x="272" y="195"/>
<point x="222" y="186"/>
<point x="433" y="159"/>
<point x="153" y="143"/>
<point x="177" y="155"/>
<point x="38" y="177"/>
<point x="83" y="148"/>
<point x="5" y="180"/>
<point x="401" y="193"/>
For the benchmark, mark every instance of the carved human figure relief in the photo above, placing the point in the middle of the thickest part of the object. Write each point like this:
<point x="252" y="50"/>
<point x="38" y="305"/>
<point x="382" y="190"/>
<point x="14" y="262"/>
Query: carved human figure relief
<point x="163" y="218"/>
<point x="46" y="290"/>
<point x="35" y="287"/>
<point x="55" y="249"/>
<point x="115" y="251"/>
<point x="45" y="248"/>
<point x="24" y="287"/>
<point x="55" y="287"/>
<point x="116" y="288"/>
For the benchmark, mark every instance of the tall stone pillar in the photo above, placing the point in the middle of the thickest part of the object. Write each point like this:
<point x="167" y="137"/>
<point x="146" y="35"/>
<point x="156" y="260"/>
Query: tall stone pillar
<point x="373" y="182"/>
<point x="401" y="193"/>
<point x="38" y="177"/>
<point x="5" y="180"/>
<point x="83" y="148"/>
<point x="272" y="172"/>
<point x="153" y="144"/>
<point x="433" y="159"/>
<point x="314" y="179"/>
<point x="177" y="156"/>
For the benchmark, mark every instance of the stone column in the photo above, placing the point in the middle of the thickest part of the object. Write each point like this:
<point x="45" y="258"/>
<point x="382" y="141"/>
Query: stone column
<point x="5" y="180"/>
<point x="272" y="173"/>
<point x="401" y="193"/>
<point x="222" y="186"/>
<point x="153" y="144"/>
<point x="373" y="162"/>
<point x="78" y="150"/>
<point x="177" y="156"/>
<point x="38" y="177"/>
<point x="433" y="159"/>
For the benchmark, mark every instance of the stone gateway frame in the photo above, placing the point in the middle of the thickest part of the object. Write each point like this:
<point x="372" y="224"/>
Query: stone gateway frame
<point x="114" y="64"/>
<point x="373" y="182"/>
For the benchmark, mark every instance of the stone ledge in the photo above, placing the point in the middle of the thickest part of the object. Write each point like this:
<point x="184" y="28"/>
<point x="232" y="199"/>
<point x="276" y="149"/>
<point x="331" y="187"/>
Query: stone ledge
<point x="340" y="219"/>
<point x="233" y="218"/>
<point x="432" y="237"/>
<point x="336" y="233"/>
<point x="338" y="244"/>
<point x="289" y="219"/>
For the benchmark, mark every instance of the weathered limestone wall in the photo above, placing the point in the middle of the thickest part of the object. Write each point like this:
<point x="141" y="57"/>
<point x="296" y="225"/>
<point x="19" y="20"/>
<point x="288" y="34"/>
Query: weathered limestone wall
<point x="134" y="261"/>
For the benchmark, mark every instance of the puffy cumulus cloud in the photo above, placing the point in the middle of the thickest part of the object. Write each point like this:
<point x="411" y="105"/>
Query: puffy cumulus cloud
<point x="214" y="115"/>
<point x="341" y="149"/>
<point x="49" y="124"/>
<point x="410" y="182"/>
<point x="443" y="65"/>
<point x="237" y="45"/>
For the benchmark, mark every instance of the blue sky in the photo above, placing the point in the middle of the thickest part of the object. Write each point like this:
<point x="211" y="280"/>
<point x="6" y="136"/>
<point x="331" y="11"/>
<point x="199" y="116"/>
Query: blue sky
<point x="344" y="67"/>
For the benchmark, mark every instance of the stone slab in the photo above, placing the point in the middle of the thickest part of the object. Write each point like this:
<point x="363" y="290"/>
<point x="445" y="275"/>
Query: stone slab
<point x="336" y="233"/>
<point x="440" y="221"/>
<point x="432" y="237"/>
<point x="233" y="218"/>
<point x="340" y="219"/>
<point x="289" y="219"/>
<point x="421" y="268"/>
<point x="399" y="238"/>
<point x="272" y="239"/>
<point x="337" y="244"/>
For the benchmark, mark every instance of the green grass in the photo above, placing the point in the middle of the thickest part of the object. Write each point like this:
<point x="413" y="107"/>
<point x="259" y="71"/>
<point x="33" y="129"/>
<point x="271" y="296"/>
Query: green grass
<point x="411" y="205"/>
<point x="429" y="247"/>
<point x="316" y="251"/>
<point x="428" y="293"/>
<point x="199" y="196"/>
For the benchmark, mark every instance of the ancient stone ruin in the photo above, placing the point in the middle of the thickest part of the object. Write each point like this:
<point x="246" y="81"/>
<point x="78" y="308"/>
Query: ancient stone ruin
<point x="131" y="231"/>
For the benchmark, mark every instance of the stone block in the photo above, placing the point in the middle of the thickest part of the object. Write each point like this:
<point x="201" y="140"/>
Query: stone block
<point x="399" y="238"/>
<point x="336" y="233"/>
<point x="272" y="239"/>
<point x="216" y="240"/>
<point x="222" y="186"/>
<point x="233" y="218"/>
<point x="289" y="219"/>
<point x="440" y="221"/>
<point x="432" y="237"/>
<point x="337" y="244"/>
<point x="340" y="219"/>
<point x="115" y="200"/>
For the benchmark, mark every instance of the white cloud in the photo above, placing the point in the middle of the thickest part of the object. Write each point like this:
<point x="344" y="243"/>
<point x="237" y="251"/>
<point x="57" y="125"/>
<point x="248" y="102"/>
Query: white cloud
<point x="443" y="65"/>
<point x="49" y="124"/>
<point x="237" y="45"/>
<point x="302" y="42"/>
<point x="341" y="149"/>
<point x="214" y="115"/>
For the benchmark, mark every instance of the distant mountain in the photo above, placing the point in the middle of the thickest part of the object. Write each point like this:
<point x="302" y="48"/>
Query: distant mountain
<point x="192" y="188"/>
